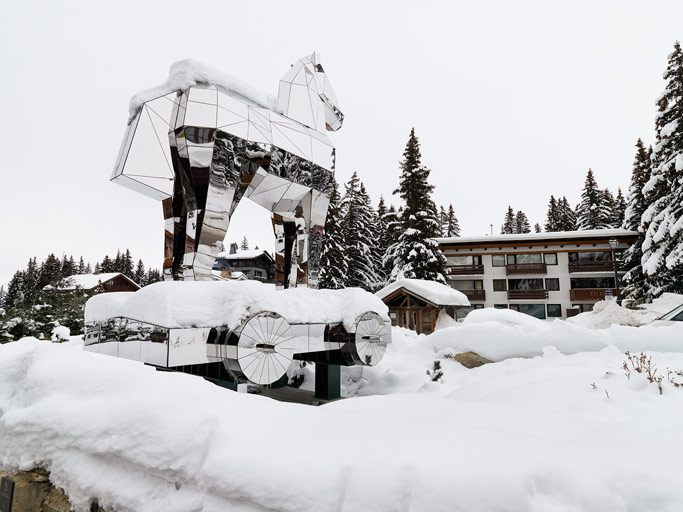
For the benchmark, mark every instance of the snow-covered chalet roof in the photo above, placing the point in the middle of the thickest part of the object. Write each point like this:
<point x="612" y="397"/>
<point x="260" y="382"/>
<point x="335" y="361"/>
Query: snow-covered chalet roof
<point x="431" y="291"/>
<point x="553" y="235"/>
<point x="189" y="73"/>
<point x="243" y="254"/>
<point x="88" y="281"/>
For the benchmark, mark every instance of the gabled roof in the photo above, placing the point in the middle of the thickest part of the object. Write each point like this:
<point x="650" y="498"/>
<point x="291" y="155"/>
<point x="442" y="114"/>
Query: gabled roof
<point x="90" y="281"/>
<point x="244" y="254"/>
<point x="435" y="293"/>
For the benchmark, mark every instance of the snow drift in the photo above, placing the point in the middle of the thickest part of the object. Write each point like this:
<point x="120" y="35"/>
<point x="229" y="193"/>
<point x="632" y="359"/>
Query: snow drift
<point x="524" y="434"/>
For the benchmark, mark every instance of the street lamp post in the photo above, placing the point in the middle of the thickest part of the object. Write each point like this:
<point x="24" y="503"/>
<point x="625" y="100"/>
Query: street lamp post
<point x="614" y="245"/>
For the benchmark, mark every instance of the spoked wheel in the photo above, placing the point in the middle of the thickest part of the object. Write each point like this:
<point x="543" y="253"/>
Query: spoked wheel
<point x="372" y="338"/>
<point x="263" y="348"/>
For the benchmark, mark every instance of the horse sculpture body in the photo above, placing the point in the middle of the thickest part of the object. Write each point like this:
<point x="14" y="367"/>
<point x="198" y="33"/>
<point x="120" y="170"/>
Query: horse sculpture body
<point x="203" y="141"/>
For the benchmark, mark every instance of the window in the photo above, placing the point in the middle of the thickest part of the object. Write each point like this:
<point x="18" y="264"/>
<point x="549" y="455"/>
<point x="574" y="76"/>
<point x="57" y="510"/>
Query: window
<point x="583" y="307"/>
<point x="525" y="284"/>
<point x="589" y="256"/>
<point x="592" y="282"/>
<point x="499" y="285"/>
<point x="550" y="258"/>
<point x="500" y="306"/>
<point x="554" y="310"/>
<point x="552" y="284"/>
<point x="468" y="284"/>
<point x="498" y="260"/>
<point x="462" y="312"/>
<point x="524" y="258"/>
<point x="462" y="261"/>
<point x="535" y="310"/>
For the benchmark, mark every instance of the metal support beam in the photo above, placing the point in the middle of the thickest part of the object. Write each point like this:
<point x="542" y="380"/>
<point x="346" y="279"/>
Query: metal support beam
<point x="327" y="381"/>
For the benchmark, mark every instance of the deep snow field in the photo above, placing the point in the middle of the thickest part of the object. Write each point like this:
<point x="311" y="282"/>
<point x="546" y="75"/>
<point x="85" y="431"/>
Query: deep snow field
<point x="555" y="425"/>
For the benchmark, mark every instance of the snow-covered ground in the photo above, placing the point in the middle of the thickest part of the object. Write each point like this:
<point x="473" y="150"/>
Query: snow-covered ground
<point x="548" y="433"/>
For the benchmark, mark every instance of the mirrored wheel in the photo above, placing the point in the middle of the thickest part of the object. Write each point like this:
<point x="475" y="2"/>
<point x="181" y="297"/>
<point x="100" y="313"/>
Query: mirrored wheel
<point x="264" y="348"/>
<point x="372" y="337"/>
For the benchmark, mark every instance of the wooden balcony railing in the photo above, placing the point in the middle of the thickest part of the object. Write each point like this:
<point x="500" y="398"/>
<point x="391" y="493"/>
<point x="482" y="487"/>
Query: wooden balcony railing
<point x="591" y="266"/>
<point x="527" y="294"/>
<point x="465" y="270"/>
<point x="477" y="295"/>
<point x="526" y="268"/>
<point x="589" y="294"/>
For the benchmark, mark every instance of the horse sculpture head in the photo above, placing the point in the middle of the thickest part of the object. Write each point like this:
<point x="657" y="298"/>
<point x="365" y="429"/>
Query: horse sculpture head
<point x="204" y="140"/>
<point x="306" y="95"/>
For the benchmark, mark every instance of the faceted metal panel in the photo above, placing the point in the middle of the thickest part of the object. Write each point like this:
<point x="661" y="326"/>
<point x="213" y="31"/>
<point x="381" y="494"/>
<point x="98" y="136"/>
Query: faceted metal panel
<point x="202" y="150"/>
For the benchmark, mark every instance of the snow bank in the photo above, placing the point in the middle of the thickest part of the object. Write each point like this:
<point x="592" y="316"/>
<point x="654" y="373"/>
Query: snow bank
<point x="434" y="292"/>
<point x="227" y="303"/>
<point x="608" y="312"/>
<point x="524" y="434"/>
<point x="61" y="334"/>
<point x="507" y="317"/>
<point x="189" y="73"/>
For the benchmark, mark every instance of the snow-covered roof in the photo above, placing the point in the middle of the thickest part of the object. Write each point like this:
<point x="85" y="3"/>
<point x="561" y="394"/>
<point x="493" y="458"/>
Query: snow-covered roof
<point x="178" y="304"/>
<point x="88" y="281"/>
<point x="553" y="235"/>
<point x="436" y="293"/>
<point x="189" y="73"/>
<point x="243" y="254"/>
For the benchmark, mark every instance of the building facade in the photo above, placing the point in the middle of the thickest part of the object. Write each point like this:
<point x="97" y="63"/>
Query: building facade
<point x="254" y="264"/>
<point x="546" y="275"/>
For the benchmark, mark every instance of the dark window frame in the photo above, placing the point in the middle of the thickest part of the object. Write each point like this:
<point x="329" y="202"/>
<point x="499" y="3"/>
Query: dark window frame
<point x="554" y="280"/>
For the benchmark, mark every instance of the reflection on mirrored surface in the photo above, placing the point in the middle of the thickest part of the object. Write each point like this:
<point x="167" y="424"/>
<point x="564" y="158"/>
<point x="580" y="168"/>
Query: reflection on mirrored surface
<point x="201" y="150"/>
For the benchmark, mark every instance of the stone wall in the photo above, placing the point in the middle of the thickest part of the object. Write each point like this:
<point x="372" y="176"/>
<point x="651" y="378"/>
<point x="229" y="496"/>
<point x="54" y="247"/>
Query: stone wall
<point x="33" y="492"/>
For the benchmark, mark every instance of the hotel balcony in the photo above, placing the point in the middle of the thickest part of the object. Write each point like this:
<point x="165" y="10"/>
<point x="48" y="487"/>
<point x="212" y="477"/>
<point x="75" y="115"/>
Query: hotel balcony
<point x="527" y="294"/>
<point x="465" y="270"/>
<point x="589" y="294"/>
<point x="475" y="295"/>
<point x="591" y="266"/>
<point x="526" y="268"/>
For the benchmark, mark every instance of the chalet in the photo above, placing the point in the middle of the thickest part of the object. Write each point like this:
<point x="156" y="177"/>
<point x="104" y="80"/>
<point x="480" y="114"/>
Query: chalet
<point x="97" y="283"/>
<point x="254" y="264"/>
<point x="417" y="304"/>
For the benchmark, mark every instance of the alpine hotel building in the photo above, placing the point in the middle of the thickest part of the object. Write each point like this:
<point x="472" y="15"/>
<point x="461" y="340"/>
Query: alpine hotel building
<point x="546" y="275"/>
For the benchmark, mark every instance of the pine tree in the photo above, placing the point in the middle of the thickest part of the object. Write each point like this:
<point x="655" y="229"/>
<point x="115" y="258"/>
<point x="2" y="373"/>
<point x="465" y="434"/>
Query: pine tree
<point x="609" y="207"/>
<point x="334" y="264"/>
<point x="127" y="265"/>
<point x="139" y="276"/>
<point x="107" y="265"/>
<point x="593" y="212"/>
<point x="553" y="220"/>
<point x="617" y="218"/>
<point x="537" y="228"/>
<point x="393" y="230"/>
<point x="567" y="216"/>
<point x="634" y="279"/>
<point x="358" y="236"/>
<point x="68" y="266"/>
<point x="443" y="221"/>
<point x="245" y="244"/>
<point x="14" y="296"/>
<point x="416" y="254"/>
<point x="521" y="223"/>
<point x="508" y="227"/>
<point x="153" y="276"/>
<point x="452" y="224"/>
<point x="31" y="282"/>
<point x="663" y="218"/>
<point x="81" y="266"/>
<point x="50" y="272"/>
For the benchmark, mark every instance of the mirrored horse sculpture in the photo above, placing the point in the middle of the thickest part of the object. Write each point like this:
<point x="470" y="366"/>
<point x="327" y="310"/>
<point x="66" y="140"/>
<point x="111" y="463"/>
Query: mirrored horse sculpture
<point x="204" y="140"/>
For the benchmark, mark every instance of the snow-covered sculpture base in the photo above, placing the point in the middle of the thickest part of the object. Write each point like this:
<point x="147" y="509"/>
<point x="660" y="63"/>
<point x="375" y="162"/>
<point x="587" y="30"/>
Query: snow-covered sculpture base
<point x="255" y="330"/>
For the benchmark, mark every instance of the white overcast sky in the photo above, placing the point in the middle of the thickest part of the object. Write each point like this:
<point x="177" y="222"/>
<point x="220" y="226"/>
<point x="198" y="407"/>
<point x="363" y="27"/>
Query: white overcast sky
<point x="512" y="102"/>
